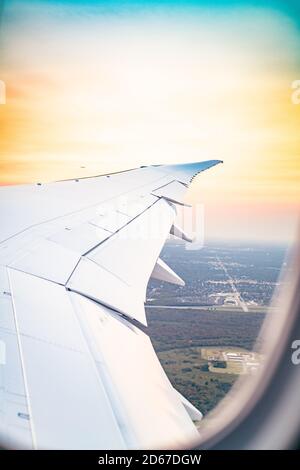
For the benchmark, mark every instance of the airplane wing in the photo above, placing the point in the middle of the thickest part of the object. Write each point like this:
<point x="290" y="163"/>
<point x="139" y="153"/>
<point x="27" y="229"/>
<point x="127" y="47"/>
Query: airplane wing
<point x="77" y="371"/>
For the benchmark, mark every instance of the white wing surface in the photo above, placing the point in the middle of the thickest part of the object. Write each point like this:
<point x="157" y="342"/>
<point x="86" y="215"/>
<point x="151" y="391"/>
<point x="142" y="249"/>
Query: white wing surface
<point x="77" y="370"/>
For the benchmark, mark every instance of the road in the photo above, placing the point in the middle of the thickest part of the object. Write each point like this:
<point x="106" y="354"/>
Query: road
<point x="237" y="295"/>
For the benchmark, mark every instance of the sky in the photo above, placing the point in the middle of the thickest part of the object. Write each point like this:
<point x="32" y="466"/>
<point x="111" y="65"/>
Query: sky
<point x="100" y="86"/>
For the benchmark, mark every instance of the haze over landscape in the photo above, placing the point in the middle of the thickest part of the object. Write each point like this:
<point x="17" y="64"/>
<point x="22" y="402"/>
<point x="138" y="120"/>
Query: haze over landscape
<point x="205" y="333"/>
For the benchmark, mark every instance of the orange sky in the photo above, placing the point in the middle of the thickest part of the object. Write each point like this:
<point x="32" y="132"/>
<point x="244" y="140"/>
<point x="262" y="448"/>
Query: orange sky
<point x="113" y="92"/>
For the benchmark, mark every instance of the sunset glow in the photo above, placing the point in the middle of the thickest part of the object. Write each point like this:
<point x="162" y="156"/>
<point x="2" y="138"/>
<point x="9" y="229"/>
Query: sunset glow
<point x="112" y="86"/>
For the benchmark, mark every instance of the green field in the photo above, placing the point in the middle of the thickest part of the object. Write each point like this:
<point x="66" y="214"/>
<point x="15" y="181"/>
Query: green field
<point x="178" y="336"/>
<point x="190" y="376"/>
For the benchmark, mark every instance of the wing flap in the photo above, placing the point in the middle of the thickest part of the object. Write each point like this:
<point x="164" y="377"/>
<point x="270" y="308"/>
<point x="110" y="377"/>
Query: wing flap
<point x="96" y="283"/>
<point x="124" y="263"/>
<point x="67" y="400"/>
<point x="163" y="272"/>
<point x="97" y="386"/>
<point x="131" y="253"/>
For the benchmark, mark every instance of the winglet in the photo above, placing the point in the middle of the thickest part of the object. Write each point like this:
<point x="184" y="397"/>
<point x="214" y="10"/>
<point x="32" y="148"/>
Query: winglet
<point x="186" y="172"/>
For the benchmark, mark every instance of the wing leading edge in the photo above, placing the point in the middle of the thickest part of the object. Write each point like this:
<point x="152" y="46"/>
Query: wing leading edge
<point x="75" y="260"/>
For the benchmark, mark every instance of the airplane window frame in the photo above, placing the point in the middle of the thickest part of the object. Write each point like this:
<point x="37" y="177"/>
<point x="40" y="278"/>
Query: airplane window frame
<point x="263" y="411"/>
